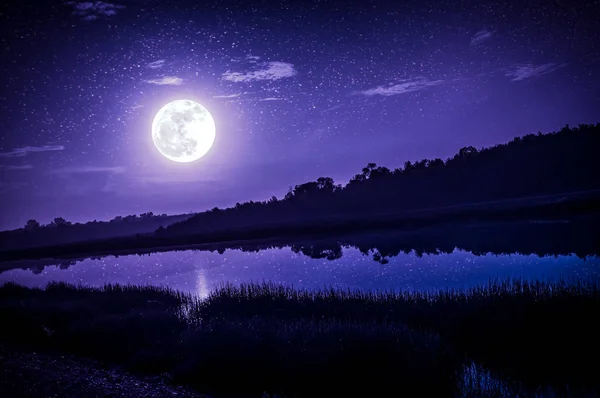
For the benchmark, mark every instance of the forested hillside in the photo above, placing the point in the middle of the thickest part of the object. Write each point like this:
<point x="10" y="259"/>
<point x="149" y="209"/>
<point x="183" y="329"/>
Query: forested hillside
<point x="536" y="164"/>
<point x="61" y="231"/>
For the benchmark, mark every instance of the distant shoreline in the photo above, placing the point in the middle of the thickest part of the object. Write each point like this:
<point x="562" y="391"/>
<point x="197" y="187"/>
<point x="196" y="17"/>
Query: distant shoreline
<point x="573" y="209"/>
<point x="543" y="177"/>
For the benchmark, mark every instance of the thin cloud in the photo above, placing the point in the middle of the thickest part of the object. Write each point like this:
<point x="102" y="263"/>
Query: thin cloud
<point x="480" y="37"/>
<point x="89" y="11"/>
<point x="88" y="169"/>
<point x="227" y="96"/>
<point x="269" y="71"/>
<point x="21" y="167"/>
<point x="253" y="59"/>
<point x="528" y="71"/>
<point x="406" y="86"/>
<point x="243" y="97"/>
<point x="9" y="186"/>
<point x="333" y="108"/>
<point x="156" y="64"/>
<point x="173" y="179"/>
<point x="166" y="81"/>
<point x="19" y="152"/>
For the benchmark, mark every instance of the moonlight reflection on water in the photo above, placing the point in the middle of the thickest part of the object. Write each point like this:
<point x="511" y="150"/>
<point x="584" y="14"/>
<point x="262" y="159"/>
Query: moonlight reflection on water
<point x="199" y="272"/>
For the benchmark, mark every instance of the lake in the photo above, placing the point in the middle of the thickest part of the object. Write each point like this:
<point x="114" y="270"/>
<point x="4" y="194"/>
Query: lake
<point x="369" y="261"/>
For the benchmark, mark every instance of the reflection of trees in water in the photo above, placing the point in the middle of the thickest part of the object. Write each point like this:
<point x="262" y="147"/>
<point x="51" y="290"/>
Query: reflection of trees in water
<point x="579" y="238"/>
<point x="328" y="251"/>
<point x="38" y="267"/>
<point x="379" y="254"/>
<point x="542" y="240"/>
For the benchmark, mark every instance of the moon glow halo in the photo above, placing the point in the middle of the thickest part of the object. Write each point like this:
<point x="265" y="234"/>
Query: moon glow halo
<point x="183" y="131"/>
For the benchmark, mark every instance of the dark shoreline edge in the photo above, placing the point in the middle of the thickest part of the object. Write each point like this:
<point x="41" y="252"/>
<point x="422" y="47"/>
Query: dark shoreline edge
<point x="26" y="373"/>
<point x="587" y="209"/>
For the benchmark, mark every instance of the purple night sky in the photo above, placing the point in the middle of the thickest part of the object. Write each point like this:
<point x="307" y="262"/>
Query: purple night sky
<point x="298" y="90"/>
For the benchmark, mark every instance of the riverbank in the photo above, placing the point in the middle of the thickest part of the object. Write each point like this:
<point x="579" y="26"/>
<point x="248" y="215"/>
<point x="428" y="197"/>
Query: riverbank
<point x="551" y="238"/>
<point x="561" y="211"/>
<point x="526" y="335"/>
<point x="28" y="374"/>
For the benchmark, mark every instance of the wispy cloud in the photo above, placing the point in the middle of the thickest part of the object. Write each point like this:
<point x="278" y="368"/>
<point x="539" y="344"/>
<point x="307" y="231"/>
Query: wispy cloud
<point x="527" y="71"/>
<point x="172" y="179"/>
<point x="21" y="167"/>
<point x="247" y="97"/>
<point x="10" y="186"/>
<point x="87" y="180"/>
<point x="268" y="71"/>
<point x="19" y="152"/>
<point x="403" y="87"/>
<point x="91" y="10"/>
<point x="227" y="96"/>
<point x="253" y="59"/>
<point x="166" y="81"/>
<point x="156" y="64"/>
<point x="333" y="108"/>
<point x="480" y="37"/>
<point x="88" y="169"/>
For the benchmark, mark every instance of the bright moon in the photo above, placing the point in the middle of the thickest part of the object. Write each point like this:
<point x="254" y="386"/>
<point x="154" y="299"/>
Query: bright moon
<point x="183" y="131"/>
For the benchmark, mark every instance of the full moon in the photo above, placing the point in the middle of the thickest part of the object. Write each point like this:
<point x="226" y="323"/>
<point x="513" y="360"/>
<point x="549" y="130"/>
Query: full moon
<point x="183" y="131"/>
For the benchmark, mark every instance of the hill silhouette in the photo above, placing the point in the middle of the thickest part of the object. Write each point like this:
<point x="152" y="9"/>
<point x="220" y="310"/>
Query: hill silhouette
<point x="536" y="177"/>
<point x="536" y="165"/>
<point x="60" y="231"/>
<point x="579" y="238"/>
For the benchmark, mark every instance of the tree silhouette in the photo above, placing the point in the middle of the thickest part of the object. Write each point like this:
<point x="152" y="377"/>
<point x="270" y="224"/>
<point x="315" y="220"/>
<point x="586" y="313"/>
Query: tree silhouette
<point x="31" y="225"/>
<point x="536" y="164"/>
<point x="33" y="234"/>
<point x="531" y="166"/>
<point x="60" y="222"/>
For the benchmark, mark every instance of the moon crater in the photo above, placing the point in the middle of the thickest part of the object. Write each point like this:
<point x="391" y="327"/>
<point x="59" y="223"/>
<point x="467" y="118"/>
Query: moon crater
<point x="183" y="131"/>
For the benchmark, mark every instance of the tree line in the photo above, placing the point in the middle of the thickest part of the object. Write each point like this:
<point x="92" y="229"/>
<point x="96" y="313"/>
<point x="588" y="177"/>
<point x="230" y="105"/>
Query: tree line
<point x="57" y="222"/>
<point x="578" y="238"/>
<point x="62" y="231"/>
<point x="535" y="164"/>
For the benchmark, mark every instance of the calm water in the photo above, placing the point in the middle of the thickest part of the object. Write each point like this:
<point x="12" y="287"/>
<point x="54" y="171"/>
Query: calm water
<point x="201" y="271"/>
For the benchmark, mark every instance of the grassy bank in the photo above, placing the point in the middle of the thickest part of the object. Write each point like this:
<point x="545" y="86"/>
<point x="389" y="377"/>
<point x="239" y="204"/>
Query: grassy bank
<point x="497" y="339"/>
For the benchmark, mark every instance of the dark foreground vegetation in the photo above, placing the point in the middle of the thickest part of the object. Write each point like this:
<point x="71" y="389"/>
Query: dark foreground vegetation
<point x="27" y="374"/>
<point x="505" y="338"/>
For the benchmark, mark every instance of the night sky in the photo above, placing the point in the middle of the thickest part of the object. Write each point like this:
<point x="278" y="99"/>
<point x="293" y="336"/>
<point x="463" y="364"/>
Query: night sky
<point x="298" y="90"/>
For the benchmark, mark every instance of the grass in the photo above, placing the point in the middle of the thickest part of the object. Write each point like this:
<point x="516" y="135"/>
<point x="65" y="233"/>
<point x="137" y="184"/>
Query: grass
<point x="507" y="338"/>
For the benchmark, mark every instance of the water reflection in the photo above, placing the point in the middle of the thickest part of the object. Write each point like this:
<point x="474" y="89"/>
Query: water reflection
<point x="199" y="271"/>
<point x="420" y="260"/>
